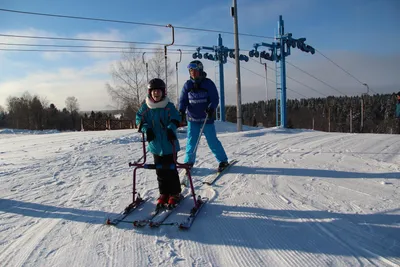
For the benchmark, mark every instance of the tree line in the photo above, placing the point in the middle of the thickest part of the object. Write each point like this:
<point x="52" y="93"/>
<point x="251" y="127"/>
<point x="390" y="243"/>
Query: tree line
<point x="33" y="113"/>
<point x="359" y="114"/>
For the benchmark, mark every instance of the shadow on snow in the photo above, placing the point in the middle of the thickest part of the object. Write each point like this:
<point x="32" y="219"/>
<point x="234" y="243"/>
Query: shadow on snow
<point x="257" y="228"/>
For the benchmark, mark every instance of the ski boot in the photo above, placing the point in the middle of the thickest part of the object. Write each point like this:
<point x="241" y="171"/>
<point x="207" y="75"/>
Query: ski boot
<point x="173" y="201"/>
<point x="162" y="201"/>
<point x="222" y="166"/>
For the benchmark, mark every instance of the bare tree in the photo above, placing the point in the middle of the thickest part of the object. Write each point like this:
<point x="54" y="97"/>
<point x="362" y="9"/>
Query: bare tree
<point x="45" y="102"/>
<point x="2" y="117"/>
<point x="129" y="87"/>
<point x="36" y="113"/>
<point x="129" y="80"/>
<point x="71" y="104"/>
<point x="71" y="109"/>
<point x="18" y="109"/>
<point x="157" y="68"/>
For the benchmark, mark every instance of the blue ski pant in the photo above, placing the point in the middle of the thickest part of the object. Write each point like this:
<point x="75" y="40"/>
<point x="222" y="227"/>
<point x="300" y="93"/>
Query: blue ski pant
<point x="193" y="131"/>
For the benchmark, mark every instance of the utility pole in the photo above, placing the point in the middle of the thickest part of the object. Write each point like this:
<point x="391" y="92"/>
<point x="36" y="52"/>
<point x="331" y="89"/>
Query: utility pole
<point x="329" y="119"/>
<point x="351" y="120"/>
<point x="234" y="13"/>
<point x="362" y="107"/>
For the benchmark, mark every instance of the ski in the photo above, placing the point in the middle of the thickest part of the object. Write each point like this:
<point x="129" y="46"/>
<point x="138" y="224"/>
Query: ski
<point x="156" y="217"/>
<point x="214" y="177"/>
<point x="185" y="225"/>
<point x="144" y="221"/>
<point x="159" y="219"/>
<point x="127" y="211"/>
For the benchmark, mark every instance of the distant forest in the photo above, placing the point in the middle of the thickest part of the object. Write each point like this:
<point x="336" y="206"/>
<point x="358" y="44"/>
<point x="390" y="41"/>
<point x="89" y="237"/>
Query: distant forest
<point x="334" y="114"/>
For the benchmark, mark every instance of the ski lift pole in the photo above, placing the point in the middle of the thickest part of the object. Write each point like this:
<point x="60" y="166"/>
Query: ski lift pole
<point x="147" y="67"/>
<point x="177" y="83"/>
<point x="165" y="54"/>
<point x="266" y="79"/>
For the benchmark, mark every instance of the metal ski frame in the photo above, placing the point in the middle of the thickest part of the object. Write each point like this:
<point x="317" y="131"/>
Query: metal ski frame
<point x="136" y="200"/>
<point x="187" y="168"/>
<point x="177" y="165"/>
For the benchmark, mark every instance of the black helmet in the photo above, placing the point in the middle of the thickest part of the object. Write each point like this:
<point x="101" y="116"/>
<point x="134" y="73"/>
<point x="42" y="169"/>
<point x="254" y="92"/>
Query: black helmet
<point x="156" y="83"/>
<point x="197" y="65"/>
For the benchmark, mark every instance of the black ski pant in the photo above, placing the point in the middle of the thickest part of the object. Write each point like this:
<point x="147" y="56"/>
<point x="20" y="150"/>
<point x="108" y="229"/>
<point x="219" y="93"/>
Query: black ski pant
<point x="168" y="179"/>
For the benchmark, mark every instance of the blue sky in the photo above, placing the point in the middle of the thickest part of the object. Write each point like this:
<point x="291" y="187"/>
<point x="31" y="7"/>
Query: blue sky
<point x="360" y="36"/>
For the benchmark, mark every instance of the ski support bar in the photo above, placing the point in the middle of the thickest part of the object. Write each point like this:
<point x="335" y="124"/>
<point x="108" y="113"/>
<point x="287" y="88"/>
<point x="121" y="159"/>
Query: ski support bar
<point x="143" y="165"/>
<point x="187" y="168"/>
<point x="138" y="164"/>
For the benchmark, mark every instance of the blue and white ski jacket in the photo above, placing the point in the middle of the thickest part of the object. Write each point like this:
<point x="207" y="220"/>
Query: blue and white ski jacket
<point x="195" y="98"/>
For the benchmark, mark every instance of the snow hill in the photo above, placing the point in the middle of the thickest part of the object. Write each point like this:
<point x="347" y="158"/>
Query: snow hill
<point x="295" y="198"/>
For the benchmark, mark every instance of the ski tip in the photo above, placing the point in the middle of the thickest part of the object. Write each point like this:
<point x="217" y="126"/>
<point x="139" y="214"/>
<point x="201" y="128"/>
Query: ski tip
<point x="154" y="224"/>
<point x="140" y="223"/>
<point x="183" y="227"/>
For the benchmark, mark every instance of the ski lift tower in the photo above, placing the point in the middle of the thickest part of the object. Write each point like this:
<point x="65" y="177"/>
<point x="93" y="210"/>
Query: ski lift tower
<point x="220" y="54"/>
<point x="278" y="51"/>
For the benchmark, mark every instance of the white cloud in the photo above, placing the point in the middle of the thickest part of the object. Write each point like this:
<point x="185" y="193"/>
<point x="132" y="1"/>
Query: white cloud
<point x="57" y="85"/>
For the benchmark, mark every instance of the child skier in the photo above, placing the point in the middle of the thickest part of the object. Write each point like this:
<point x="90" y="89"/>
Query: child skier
<point x="159" y="119"/>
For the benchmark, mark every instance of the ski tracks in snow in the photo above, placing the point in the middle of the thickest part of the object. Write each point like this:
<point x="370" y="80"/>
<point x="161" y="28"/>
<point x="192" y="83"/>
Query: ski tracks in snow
<point x="234" y="185"/>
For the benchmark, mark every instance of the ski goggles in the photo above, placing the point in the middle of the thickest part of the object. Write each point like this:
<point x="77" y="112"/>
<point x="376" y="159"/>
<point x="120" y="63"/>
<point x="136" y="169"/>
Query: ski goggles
<point x="194" y="66"/>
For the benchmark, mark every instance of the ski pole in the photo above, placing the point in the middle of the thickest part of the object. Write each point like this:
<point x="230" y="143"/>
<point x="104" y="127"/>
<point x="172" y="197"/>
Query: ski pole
<point x="201" y="132"/>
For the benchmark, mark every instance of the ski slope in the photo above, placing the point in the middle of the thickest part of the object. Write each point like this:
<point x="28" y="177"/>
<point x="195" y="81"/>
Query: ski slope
<point x="295" y="198"/>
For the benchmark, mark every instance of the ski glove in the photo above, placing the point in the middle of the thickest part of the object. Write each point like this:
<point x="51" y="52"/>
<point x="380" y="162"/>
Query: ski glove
<point x="150" y="136"/>
<point x="182" y="113"/>
<point x="210" y="112"/>
<point x="171" y="135"/>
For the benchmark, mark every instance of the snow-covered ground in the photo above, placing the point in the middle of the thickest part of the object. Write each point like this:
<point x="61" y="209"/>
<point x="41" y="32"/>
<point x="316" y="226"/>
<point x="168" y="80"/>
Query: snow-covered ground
<point x="295" y="198"/>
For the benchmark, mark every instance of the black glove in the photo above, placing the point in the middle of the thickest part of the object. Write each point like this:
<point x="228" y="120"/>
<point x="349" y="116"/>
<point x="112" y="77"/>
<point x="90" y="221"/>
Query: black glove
<point x="150" y="136"/>
<point x="182" y="113"/>
<point x="210" y="112"/>
<point x="171" y="135"/>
